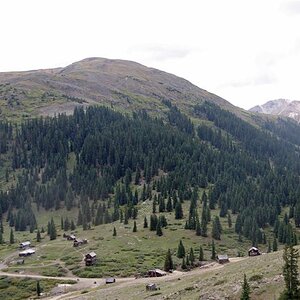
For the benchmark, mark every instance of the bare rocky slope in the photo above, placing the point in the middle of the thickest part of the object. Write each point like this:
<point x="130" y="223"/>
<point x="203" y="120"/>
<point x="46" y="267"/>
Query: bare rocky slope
<point x="120" y="84"/>
<point x="280" y="107"/>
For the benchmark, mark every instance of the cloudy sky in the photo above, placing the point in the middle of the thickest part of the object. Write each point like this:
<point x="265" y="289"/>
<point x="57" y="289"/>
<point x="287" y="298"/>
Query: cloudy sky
<point x="246" y="51"/>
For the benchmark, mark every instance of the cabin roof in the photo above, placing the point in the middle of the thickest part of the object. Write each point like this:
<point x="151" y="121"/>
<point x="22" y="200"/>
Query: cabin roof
<point x="27" y="243"/>
<point x="28" y="251"/>
<point x="253" y="249"/>
<point x="222" y="257"/>
<point x="91" y="254"/>
<point x="158" y="271"/>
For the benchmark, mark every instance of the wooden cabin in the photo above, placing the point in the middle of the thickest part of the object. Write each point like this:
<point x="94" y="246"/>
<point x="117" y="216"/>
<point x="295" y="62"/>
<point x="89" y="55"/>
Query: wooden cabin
<point x="110" y="280"/>
<point x="90" y="259"/>
<point x="151" y="287"/>
<point x="25" y="245"/>
<point x="222" y="259"/>
<point x="79" y="242"/>
<point x="27" y="252"/>
<point x="253" y="251"/>
<point x="71" y="237"/>
<point x="156" y="273"/>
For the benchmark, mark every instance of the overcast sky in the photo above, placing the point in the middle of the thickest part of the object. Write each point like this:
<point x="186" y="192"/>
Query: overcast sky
<point x="246" y="51"/>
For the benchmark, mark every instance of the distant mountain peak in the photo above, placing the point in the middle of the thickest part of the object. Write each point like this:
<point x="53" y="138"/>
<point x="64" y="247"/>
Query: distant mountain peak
<point x="280" y="107"/>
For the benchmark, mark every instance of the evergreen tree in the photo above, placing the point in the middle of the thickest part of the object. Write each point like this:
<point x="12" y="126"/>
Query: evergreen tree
<point x="192" y="256"/>
<point x="215" y="229"/>
<point x="180" y="250"/>
<point x="73" y="227"/>
<point x="38" y="236"/>
<point x="11" y="237"/>
<point x="269" y="246"/>
<point x="38" y="288"/>
<point x="153" y="222"/>
<point x="134" y="227"/>
<point x="290" y="273"/>
<point x="1" y="238"/>
<point x="201" y="254"/>
<point x="169" y="204"/>
<point x="168" y="262"/>
<point x="229" y="220"/>
<point x="275" y="246"/>
<point x="213" y="250"/>
<point x="154" y="204"/>
<point x="52" y="230"/>
<point x="245" y="289"/>
<point x="145" y="222"/>
<point x="114" y="232"/>
<point x="178" y="211"/>
<point x="183" y="264"/>
<point x="158" y="229"/>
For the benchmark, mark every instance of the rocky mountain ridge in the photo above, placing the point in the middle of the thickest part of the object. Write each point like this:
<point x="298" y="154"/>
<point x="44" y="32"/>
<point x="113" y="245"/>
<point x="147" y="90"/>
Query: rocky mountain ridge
<point x="280" y="107"/>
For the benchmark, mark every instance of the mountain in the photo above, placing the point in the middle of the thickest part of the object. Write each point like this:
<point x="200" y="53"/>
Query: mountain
<point x="280" y="107"/>
<point x="123" y="85"/>
<point x="158" y="163"/>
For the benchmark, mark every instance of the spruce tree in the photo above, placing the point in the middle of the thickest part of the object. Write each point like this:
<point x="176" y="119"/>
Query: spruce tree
<point x="38" y="236"/>
<point x="52" y="232"/>
<point x="134" y="227"/>
<point x="158" y="229"/>
<point x="229" y="220"/>
<point x="1" y="238"/>
<point x="168" y="262"/>
<point x="192" y="256"/>
<point x="269" y="246"/>
<point x="178" y="211"/>
<point x="275" y="246"/>
<point x="11" y="237"/>
<point x="73" y="227"/>
<point x="145" y="222"/>
<point x="201" y="254"/>
<point x="114" y="232"/>
<point x="180" y="250"/>
<point x="245" y="289"/>
<point x="183" y="264"/>
<point x="290" y="273"/>
<point x="213" y="250"/>
<point x="38" y="288"/>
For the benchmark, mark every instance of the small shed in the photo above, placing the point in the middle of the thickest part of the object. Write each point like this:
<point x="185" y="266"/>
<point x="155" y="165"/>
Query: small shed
<point x="156" y="273"/>
<point x="90" y="259"/>
<point x="110" y="280"/>
<point x="25" y="245"/>
<point x="151" y="287"/>
<point x="27" y="252"/>
<point x="79" y="242"/>
<point x="222" y="259"/>
<point x="71" y="237"/>
<point x="253" y="251"/>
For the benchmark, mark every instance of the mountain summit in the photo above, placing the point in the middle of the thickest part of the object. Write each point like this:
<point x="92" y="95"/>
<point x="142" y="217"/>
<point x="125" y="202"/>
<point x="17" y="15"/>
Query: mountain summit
<point x="121" y="84"/>
<point x="280" y="107"/>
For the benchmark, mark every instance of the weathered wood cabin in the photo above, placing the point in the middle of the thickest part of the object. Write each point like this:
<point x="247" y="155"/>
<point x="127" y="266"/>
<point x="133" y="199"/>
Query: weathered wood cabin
<point x="156" y="273"/>
<point x="222" y="259"/>
<point x="27" y="252"/>
<point x="90" y="259"/>
<point x="79" y="242"/>
<point x="151" y="287"/>
<point x="25" y="245"/>
<point x="253" y="251"/>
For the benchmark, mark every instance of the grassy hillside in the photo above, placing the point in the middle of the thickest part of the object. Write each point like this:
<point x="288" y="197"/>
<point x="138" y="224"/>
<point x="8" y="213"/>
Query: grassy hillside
<point x="122" y="85"/>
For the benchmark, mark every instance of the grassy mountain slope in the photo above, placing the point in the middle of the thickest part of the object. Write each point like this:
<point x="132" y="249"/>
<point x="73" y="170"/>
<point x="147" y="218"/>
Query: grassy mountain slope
<point x="123" y="85"/>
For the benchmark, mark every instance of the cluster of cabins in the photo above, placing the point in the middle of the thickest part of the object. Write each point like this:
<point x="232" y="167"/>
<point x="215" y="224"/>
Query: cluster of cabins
<point x="91" y="257"/>
<point x="76" y="242"/>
